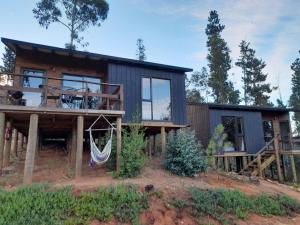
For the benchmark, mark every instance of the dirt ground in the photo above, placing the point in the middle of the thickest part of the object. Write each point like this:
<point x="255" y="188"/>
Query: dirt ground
<point x="52" y="166"/>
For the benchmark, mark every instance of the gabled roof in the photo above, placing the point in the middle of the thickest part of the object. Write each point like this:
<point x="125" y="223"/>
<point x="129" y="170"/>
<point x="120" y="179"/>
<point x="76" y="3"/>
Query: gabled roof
<point x="244" y="107"/>
<point x="15" y="44"/>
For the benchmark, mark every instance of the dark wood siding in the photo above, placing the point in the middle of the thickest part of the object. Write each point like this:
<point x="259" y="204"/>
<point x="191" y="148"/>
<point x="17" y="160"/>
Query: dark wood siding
<point x="198" y="120"/>
<point x="130" y="77"/>
<point x="253" y="129"/>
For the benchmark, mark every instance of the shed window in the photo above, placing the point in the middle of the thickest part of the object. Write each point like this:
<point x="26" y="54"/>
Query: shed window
<point x="156" y="102"/>
<point x="33" y="78"/>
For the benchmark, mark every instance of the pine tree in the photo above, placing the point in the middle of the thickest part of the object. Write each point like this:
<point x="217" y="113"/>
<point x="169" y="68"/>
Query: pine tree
<point x="295" y="96"/>
<point x="141" y="50"/>
<point x="8" y="59"/>
<point x="256" y="90"/>
<point x="219" y="62"/>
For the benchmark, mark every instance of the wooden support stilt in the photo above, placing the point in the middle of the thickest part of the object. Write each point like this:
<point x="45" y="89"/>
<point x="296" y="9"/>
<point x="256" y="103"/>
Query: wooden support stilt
<point x="7" y="145"/>
<point x="119" y="141"/>
<point x="226" y="164"/>
<point x="31" y="148"/>
<point x="276" y="128"/>
<point x="163" y="139"/>
<point x="245" y="162"/>
<point x="20" y="145"/>
<point x="295" y="180"/>
<point x="259" y="165"/>
<point x="73" y="146"/>
<point x="2" y="131"/>
<point x="24" y="142"/>
<point x="14" y="139"/>
<point x="79" y="146"/>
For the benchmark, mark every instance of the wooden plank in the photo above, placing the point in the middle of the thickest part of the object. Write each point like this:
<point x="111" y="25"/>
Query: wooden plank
<point x="119" y="142"/>
<point x="259" y="165"/>
<point x="293" y="169"/>
<point x="2" y="130"/>
<point x="79" y="146"/>
<point x="7" y="145"/>
<point x="163" y="139"/>
<point x="14" y="138"/>
<point x="276" y="128"/>
<point x="31" y="149"/>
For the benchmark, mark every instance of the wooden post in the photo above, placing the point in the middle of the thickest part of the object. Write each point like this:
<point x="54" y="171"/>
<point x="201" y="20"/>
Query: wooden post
<point x="119" y="142"/>
<point x="73" y="146"/>
<point x="14" y="138"/>
<point x="79" y="146"/>
<point x="226" y="164"/>
<point x="20" y="145"/>
<point x="245" y="163"/>
<point x="259" y="165"/>
<point x="31" y="148"/>
<point x="7" y="145"/>
<point x="276" y="128"/>
<point x="163" y="139"/>
<point x="293" y="168"/>
<point x="2" y="131"/>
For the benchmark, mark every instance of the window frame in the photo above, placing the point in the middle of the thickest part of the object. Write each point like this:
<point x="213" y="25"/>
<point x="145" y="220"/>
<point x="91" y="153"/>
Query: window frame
<point x="33" y="69"/>
<point x="151" y="98"/>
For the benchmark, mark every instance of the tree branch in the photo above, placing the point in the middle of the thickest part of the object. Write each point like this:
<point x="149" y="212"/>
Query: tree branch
<point x="64" y="24"/>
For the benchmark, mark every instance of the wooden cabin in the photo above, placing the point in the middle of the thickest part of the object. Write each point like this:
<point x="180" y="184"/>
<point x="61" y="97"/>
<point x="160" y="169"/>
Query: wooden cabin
<point x="259" y="136"/>
<point x="58" y="93"/>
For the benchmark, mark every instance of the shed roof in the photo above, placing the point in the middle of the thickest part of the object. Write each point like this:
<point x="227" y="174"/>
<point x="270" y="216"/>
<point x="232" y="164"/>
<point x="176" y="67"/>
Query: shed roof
<point x="244" y="107"/>
<point x="15" y="44"/>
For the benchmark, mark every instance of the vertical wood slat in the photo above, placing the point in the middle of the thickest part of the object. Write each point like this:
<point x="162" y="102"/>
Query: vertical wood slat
<point x="119" y="141"/>
<point x="79" y="148"/>
<point x="31" y="149"/>
<point x="2" y="130"/>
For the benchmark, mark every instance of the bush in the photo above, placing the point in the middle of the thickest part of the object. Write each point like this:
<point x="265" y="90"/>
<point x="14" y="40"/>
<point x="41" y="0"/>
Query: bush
<point x="184" y="154"/>
<point x="132" y="157"/>
<point x="37" y="205"/>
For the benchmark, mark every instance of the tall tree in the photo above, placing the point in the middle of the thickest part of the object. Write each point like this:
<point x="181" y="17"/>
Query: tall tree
<point x="219" y="62"/>
<point x="75" y="15"/>
<point x="256" y="90"/>
<point x="141" y="50"/>
<point x="295" y="96"/>
<point x="8" y="60"/>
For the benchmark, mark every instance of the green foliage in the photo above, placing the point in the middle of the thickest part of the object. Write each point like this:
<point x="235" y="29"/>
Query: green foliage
<point x="132" y="158"/>
<point x="38" y="205"/>
<point x="8" y="60"/>
<point x="219" y="203"/>
<point x="76" y="16"/>
<point x="256" y="89"/>
<point x="184" y="154"/>
<point x="140" y="52"/>
<point x="194" y="96"/>
<point x="216" y="144"/>
<point x="294" y="100"/>
<point x="219" y="62"/>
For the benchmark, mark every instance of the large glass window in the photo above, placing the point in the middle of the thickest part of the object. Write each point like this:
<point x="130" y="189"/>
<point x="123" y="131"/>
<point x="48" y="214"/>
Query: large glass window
<point x="33" y="82"/>
<point x="79" y="83"/>
<point x="156" y="103"/>
<point x="234" y="128"/>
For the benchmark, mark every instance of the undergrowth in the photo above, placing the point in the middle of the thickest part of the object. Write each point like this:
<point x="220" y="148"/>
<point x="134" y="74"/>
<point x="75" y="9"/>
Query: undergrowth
<point x="225" y="205"/>
<point x="37" y="205"/>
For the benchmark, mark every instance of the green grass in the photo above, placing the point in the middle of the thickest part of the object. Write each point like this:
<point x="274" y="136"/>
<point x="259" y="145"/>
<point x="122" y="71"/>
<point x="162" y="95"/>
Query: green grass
<point x="224" y="205"/>
<point x="37" y="205"/>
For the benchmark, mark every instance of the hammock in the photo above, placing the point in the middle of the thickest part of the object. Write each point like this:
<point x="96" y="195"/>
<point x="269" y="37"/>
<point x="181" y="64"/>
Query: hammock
<point x="97" y="156"/>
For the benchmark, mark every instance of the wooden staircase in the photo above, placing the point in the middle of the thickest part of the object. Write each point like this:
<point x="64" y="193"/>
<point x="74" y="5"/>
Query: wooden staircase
<point x="262" y="159"/>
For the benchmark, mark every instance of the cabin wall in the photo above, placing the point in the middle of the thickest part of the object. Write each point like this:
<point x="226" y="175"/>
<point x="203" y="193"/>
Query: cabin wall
<point x="254" y="137"/>
<point x="198" y="120"/>
<point x="131" y="76"/>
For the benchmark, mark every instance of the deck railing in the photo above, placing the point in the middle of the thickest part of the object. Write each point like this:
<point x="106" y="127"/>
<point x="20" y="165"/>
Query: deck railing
<point x="46" y="91"/>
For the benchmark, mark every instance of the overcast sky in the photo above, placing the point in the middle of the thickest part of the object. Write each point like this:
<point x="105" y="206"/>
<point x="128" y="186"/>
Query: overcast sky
<point x="174" y="32"/>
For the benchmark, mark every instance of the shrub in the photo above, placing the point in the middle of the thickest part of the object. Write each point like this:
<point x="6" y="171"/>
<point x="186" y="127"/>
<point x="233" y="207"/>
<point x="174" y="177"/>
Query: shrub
<point x="184" y="154"/>
<point x="132" y="157"/>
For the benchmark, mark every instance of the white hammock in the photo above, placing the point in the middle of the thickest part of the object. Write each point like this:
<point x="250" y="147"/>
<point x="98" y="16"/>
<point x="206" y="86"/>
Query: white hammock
<point x="97" y="156"/>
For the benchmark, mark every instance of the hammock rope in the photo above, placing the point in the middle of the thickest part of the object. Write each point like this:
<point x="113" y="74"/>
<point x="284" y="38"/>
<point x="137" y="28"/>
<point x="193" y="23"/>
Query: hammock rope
<point x="97" y="156"/>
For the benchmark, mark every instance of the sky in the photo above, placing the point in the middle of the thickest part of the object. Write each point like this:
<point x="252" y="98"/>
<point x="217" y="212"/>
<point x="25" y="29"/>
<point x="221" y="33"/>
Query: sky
<point x="174" y="32"/>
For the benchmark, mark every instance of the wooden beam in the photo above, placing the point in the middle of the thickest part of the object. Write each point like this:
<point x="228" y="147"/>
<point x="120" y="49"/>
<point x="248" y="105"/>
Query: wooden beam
<point x="20" y="145"/>
<point x="2" y="131"/>
<point x="73" y="146"/>
<point x="276" y="128"/>
<point x="79" y="146"/>
<point x="14" y="139"/>
<point x="31" y="149"/>
<point x="119" y="142"/>
<point x="163" y="139"/>
<point x="293" y="169"/>
<point x="226" y="164"/>
<point x="7" y="145"/>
